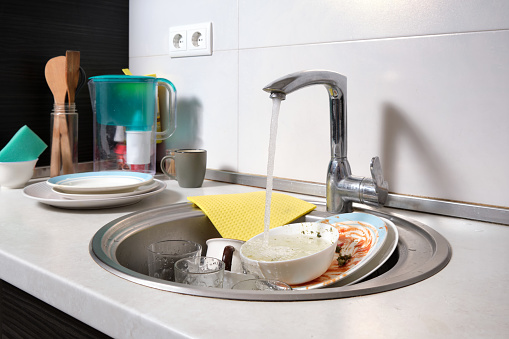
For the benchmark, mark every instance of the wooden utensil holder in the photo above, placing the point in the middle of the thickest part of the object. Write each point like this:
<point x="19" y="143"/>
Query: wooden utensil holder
<point x="64" y="143"/>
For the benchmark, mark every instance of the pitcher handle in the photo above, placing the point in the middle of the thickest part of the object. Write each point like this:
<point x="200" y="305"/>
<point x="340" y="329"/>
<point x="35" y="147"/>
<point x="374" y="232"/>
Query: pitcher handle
<point x="170" y="111"/>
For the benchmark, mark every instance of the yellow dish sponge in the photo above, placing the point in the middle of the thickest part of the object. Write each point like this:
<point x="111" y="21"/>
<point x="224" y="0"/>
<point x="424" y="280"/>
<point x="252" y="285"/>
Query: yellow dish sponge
<point x="241" y="215"/>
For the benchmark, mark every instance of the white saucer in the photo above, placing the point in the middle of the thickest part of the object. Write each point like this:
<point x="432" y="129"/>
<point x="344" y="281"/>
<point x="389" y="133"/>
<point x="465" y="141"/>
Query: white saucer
<point x="43" y="193"/>
<point x="100" y="182"/>
<point x="91" y="196"/>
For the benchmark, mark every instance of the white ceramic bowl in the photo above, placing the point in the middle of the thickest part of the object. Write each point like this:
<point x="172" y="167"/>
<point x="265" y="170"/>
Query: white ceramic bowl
<point x="300" y="270"/>
<point x="17" y="173"/>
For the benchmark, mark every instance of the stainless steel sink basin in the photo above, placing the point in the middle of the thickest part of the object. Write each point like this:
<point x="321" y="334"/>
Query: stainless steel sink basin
<point x="119" y="247"/>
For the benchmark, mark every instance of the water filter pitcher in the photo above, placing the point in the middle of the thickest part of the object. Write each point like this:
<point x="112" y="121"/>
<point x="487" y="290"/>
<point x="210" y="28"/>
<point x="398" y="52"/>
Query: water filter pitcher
<point x="126" y="114"/>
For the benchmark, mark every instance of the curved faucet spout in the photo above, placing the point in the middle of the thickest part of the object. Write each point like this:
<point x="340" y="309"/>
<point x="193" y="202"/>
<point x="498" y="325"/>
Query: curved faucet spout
<point x="342" y="187"/>
<point x="298" y="80"/>
<point x="335" y="84"/>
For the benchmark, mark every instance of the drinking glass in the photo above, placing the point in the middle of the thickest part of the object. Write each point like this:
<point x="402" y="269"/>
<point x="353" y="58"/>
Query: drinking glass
<point x="262" y="285"/>
<point x="200" y="271"/>
<point x="162" y="256"/>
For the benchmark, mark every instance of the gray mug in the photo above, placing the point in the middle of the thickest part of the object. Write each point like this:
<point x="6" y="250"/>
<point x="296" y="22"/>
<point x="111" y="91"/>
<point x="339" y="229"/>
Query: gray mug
<point x="190" y="166"/>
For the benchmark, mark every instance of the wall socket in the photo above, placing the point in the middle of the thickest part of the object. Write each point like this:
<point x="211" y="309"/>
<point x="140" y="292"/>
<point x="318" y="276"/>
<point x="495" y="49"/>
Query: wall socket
<point x="191" y="40"/>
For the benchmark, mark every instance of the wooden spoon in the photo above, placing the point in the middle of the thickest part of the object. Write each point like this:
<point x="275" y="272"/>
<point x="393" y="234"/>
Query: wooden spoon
<point x="55" y="77"/>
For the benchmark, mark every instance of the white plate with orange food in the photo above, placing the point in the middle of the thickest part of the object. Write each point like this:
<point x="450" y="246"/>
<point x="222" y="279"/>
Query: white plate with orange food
<point x="368" y="239"/>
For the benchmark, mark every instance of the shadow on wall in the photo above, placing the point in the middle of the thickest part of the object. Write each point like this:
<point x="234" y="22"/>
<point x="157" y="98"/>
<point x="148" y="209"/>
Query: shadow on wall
<point x="397" y="131"/>
<point x="189" y="123"/>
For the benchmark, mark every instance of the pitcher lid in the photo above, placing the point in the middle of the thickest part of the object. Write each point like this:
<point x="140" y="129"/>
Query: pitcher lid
<point x="123" y="78"/>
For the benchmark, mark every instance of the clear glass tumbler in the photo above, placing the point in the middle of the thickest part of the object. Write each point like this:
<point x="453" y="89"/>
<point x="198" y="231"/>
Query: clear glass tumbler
<point x="162" y="255"/>
<point x="200" y="271"/>
<point x="262" y="285"/>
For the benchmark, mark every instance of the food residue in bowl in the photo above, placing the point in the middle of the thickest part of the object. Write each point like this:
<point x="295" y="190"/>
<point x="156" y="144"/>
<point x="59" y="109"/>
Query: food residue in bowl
<point x="284" y="247"/>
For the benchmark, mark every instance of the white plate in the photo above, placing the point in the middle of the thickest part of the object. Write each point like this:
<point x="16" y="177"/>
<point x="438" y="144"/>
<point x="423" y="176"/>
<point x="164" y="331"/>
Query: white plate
<point x="44" y="194"/>
<point x="92" y="196"/>
<point x="100" y="182"/>
<point x="365" y="263"/>
<point x="378" y="260"/>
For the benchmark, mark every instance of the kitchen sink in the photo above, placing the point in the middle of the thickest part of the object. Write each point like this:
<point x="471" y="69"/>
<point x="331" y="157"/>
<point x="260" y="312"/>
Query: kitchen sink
<point x="120" y="248"/>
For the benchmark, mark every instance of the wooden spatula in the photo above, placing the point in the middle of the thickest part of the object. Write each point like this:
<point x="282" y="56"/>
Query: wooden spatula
<point x="72" y="69"/>
<point x="72" y="73"/>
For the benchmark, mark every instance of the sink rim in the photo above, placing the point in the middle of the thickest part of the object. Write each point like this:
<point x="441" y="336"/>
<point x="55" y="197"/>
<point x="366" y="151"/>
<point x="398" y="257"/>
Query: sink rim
<point x="113" y="233"/>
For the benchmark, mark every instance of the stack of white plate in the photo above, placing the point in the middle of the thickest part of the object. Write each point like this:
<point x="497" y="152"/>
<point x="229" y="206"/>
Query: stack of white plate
<point x="95" y="189"/>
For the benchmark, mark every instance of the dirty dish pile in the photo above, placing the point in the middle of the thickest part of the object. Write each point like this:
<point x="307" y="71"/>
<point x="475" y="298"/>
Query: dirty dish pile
<point x="337" y="251"/>
<point x="365" y="243"/>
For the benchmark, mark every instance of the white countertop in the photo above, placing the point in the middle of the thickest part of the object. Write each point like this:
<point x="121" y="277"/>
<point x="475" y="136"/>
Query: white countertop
<point x="45" y="251"/>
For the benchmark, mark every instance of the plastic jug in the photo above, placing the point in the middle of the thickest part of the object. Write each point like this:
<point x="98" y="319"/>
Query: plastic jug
<point x="125" y="120"/>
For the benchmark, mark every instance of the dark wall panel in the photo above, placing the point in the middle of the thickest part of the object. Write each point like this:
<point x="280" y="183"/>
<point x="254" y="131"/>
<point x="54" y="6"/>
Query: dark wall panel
<point x="34" y="31"/>
<point x="23" y="316"/>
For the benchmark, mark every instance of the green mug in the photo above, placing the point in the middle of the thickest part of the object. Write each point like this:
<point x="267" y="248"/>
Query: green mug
<point x="189" y="166"/>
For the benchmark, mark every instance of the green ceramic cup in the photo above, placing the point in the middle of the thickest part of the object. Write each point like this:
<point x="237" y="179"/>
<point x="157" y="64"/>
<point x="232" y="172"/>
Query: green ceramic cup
<point x="189" y="166"/>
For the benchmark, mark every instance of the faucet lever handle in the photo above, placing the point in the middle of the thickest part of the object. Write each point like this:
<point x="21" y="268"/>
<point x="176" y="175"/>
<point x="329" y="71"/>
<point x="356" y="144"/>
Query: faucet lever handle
<point x="381" y="186"/>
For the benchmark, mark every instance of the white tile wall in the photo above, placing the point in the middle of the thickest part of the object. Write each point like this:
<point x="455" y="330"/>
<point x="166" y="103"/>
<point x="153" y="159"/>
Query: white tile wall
<point x="150" y="20"/>
<point x="289" y="22"/>
<point x="207" y="103"/>
<point x="427" y="87"/>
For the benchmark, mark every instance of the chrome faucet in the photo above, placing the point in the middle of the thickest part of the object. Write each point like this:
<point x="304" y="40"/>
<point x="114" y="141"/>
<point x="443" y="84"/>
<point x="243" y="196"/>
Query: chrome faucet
<point x="342" y="187"/>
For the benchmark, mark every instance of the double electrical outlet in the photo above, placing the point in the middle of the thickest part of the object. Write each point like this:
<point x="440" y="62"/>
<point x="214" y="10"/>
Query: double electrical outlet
<point x="191" y="40"/>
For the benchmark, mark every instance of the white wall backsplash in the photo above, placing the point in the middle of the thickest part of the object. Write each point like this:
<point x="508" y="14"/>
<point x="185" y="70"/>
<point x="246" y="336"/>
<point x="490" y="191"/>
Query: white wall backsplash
<point x="427" y="88"/>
